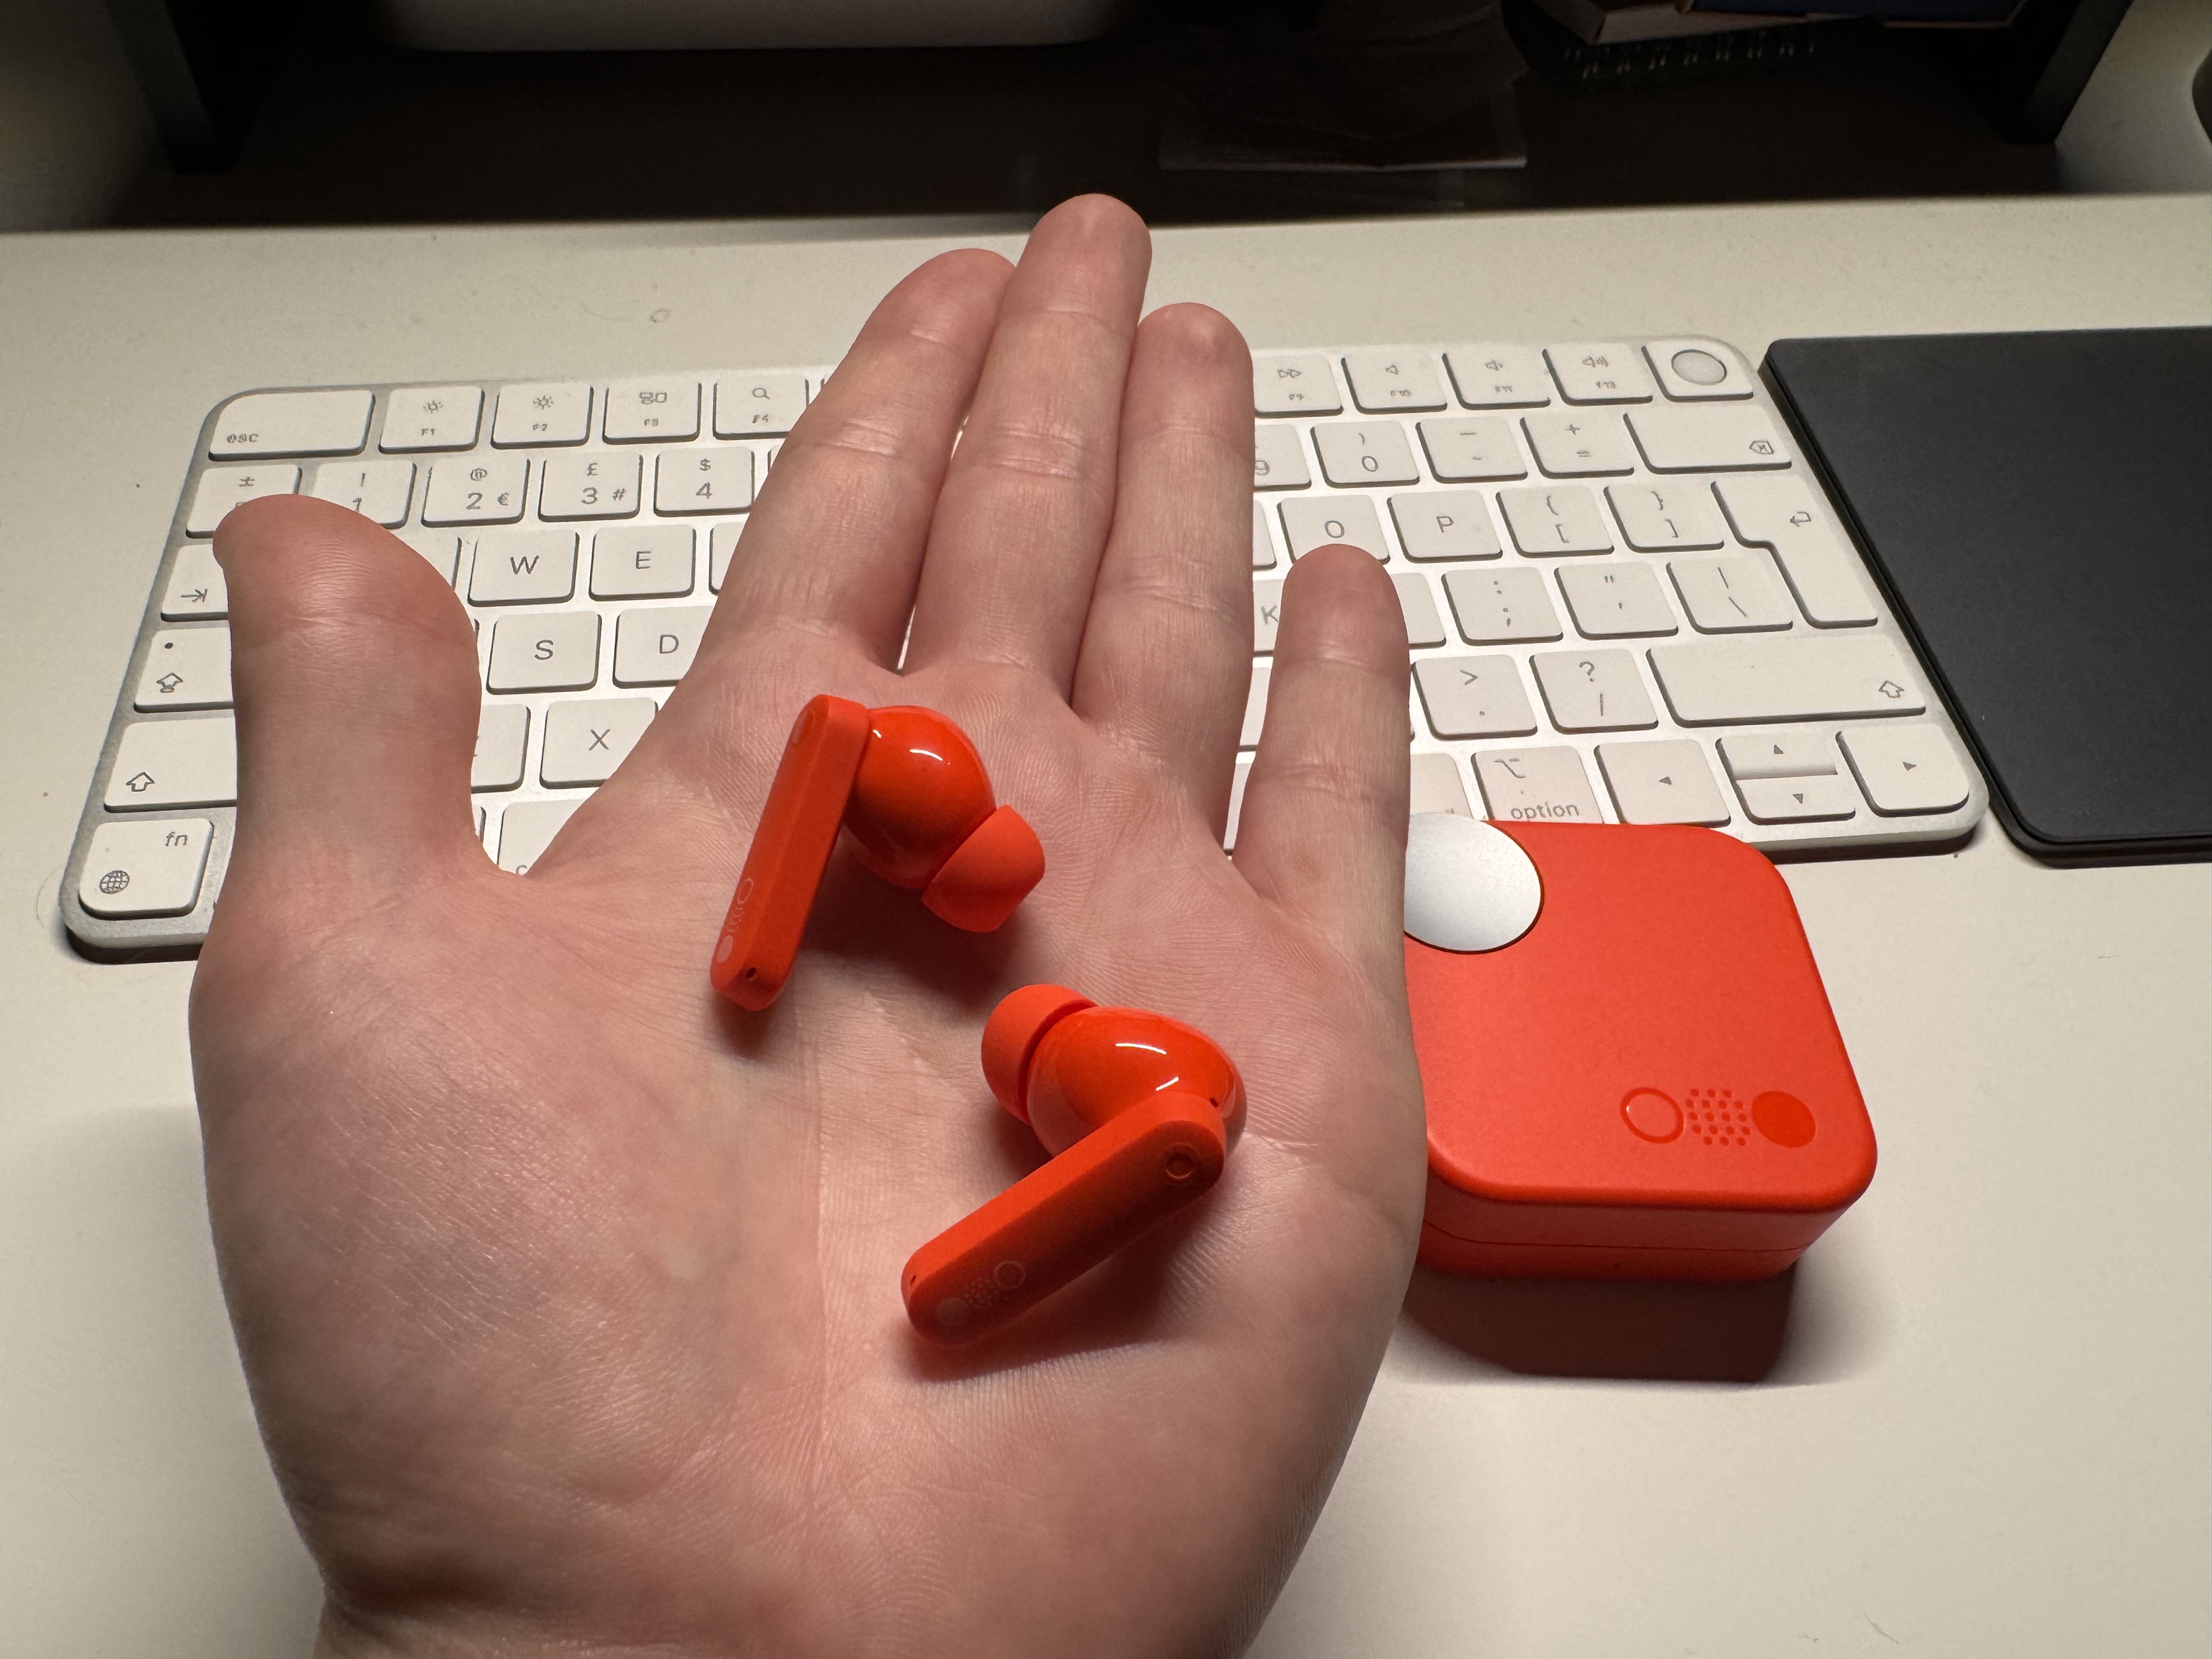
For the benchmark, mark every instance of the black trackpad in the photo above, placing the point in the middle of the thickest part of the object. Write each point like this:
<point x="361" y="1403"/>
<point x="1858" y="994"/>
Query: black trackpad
<point x="2039" y="507"/>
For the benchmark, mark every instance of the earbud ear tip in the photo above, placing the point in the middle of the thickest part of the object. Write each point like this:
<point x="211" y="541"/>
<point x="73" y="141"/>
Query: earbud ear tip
<point x="1012" y="1033"/>
<point x="988" y="874"/>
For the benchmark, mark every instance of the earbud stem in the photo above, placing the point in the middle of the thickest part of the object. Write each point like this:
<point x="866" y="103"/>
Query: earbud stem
<point x="791" y="848"/>
<point x="1062" y="1219"/>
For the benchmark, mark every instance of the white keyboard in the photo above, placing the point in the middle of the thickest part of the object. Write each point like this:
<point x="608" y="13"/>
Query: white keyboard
<point x="1627" y="598"/>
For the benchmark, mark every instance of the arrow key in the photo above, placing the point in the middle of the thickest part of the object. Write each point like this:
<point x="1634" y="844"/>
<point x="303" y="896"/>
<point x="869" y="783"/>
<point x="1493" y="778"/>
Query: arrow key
<point x="1907" y="769"/>
<point x="1666" y="782"/>
<point x="1798" y="800"/>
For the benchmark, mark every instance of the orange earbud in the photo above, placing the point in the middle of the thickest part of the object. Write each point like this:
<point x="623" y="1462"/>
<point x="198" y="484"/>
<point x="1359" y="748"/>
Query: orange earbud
<point x="1137" y="1111"/>
<point x="912" y="789"/>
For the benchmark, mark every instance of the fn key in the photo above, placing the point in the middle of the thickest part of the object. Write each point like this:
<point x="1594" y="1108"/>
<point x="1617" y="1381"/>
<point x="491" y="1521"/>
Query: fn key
<point x="148" y="867"/>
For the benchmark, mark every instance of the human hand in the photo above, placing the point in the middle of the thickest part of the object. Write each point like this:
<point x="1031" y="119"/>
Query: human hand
<point x="569" y="1295"/>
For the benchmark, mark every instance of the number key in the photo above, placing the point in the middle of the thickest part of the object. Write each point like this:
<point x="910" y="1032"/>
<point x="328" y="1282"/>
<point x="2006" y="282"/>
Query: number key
<point x="717" y="480"/>
<point x="1366" y="452"/>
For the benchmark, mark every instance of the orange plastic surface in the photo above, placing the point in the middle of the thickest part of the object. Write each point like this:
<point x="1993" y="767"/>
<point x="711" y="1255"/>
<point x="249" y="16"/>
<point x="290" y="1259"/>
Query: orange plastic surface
<point x="1011" y="1035"/>
<point x="1652" y="1068"/>
<point x="790" y="847"/>
<point x="1091" y="1065"/>
<point x="1446" y="1254"/>
<point x="988" y="874"/>
<point x="1065" y="1217"/>
<point x="921" y="791"/>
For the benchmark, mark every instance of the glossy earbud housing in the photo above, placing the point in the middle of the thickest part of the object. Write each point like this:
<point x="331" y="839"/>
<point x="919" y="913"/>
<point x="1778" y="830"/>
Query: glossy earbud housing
<point x="911" y="790"/>
<point x="1139" y="1111"/>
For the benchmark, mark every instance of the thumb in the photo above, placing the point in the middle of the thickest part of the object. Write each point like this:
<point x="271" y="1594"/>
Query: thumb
<point x="355" y="679"/>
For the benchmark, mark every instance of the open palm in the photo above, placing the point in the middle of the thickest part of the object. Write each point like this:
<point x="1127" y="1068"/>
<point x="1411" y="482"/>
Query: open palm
<point x="569" y="1294"/>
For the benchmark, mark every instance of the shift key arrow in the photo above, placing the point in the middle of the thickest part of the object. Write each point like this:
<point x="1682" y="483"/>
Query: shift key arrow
<point x="1728" y="682"/>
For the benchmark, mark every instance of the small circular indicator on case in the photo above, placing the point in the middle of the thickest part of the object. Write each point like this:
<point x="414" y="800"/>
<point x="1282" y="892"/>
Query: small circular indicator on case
<point x="1653" y="1116"/>
<point x="1782" y="1119"/>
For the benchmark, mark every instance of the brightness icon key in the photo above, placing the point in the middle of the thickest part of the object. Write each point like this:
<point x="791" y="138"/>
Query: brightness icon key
<point x="545" y="413"/>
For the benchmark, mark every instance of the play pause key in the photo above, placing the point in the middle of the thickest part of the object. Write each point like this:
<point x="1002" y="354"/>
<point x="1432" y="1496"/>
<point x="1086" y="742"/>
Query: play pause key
<point x="149" y="867"/>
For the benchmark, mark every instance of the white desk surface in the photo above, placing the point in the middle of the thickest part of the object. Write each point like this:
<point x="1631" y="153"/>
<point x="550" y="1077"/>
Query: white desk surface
<point x="1987" y="1428"/>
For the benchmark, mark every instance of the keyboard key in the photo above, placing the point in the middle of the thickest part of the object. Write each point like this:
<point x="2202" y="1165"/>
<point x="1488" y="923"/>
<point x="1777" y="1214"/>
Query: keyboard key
<point x="1907" y="769"/>
<point x="1366" y="452"/>
<point x="1473" y="697"/>
<point x="1798" y="800"/>
<point x="189" y="763"/>
<point x="555" y="651"/>
<point x="151" y="867"/>
<point x="1599" y="372"/>
<point x="758" y="406"/>
<point x="642" y="562"/>
<point x="432" y="417"/>
<point x="703" y="481"/>
<point x="1662" y="783"/>
<point x="1734" y="682"/>
<point x="1616" y="601"/>
<point x="1489" y="376"/>
<point x="290" y="423"/>
<point x="1382" y="381"/>
<point x="1708" y="438"/>
<point x="1279" y="457"/>
<point x="221" y="488"/>
<point x="195" y="590"/>
<point x="1435" y="786"/>
<point x="186" y="668"/>
<point x="585" y="741"/>
<point x="1778" y="755"/>
<point x="1267" y="611"/>
<point x="524" y="567"/>
<point x="381" y="491"/>
<point x="1822" y="569"/>
<point x="1476" y="448"/>
<point x="1313" y="521"/>
<point x="502" y="739"/>
<point x="656" y="646"/>
<point x="1667" y="518"/>
<point x="1236" y="782"/>
<point x="1536" y="786"/>
<point x="551" y="412"/>
<point x="1445" y="524"/>
<point x="1263" y="543"/>
<point x="1593" y="691"/>
<point x="526" y="829"/>
<point x="1294" y="383"/>
<point x="1697" y="370"/>
<point x="1501" y="607"/>
<point x="1573" y="443"/>
<point x="661" y="410"/>
<point x="1733" y="596"/>
<point x="441" y="549"/>
<point x="1423" y="625"/>
<point x="590" y="485"/>
<point x="721" y="548"/>
<point x="484" y="489"/>
<point x="1563" y="519"/>
<point x="1255" y="707"/>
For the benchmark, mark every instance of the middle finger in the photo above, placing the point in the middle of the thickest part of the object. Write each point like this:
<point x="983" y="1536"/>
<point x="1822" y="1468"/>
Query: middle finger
<point x="1030" y="494"/>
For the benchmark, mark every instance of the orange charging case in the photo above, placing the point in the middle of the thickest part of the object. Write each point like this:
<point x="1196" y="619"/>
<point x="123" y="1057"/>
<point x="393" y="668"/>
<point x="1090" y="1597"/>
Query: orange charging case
<point x="1649" y="1083"/>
